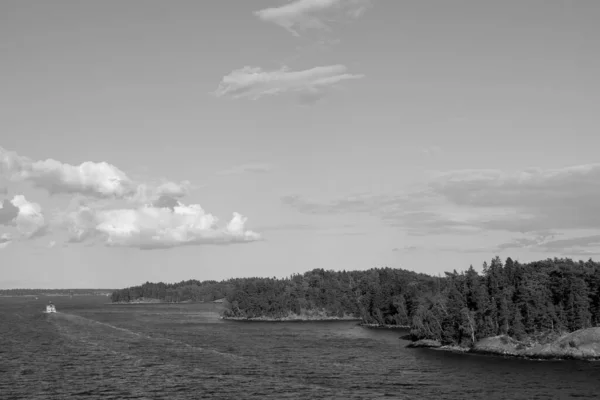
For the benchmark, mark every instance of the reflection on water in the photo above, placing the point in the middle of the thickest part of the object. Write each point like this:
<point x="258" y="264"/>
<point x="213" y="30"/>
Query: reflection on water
<point x="93" y="350"/>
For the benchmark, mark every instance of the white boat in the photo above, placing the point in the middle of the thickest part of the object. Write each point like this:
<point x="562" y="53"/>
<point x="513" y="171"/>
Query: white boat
<point x="50" y="308"/>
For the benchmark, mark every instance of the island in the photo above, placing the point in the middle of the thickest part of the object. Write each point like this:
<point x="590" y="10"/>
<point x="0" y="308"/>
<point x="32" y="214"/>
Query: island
<point x="543" y="309"/>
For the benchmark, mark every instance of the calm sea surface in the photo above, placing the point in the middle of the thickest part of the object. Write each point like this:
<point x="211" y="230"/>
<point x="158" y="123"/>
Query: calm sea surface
<point x="92" y="350"/>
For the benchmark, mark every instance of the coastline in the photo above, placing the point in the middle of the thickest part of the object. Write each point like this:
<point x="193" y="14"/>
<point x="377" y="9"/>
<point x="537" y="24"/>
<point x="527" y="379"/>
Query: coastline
<point x="295" y="318"/>
<point x="583" y="345"/>
<point x="385" y="326"/>
<point x="145" y="301"/>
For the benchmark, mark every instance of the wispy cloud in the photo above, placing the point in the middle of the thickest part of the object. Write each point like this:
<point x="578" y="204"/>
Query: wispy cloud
<point x="301" y="15"/>
<point x="287" y="227"/>
<point x="471" y="201"/>
<point x="404" y="249"/>
<point x="254" y="82"/>
<point x="432" y="151"/>
<point x="579" y="245"/>
<point x="534" y="200"/>
<point x="247" y="168"/>
<point x="530" y="241"/>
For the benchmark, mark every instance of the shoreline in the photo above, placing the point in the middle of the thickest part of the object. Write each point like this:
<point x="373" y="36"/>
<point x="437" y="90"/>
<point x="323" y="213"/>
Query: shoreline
<point x="290" y="319"/>
<point x="385" y="326"/>
<point x="582" y="345"/>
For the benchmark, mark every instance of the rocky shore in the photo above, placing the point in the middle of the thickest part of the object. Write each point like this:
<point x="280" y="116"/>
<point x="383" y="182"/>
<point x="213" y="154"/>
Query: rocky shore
<point x="583" y="344"/>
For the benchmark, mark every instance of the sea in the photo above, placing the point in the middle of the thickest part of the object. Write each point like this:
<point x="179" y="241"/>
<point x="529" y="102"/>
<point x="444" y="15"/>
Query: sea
<point x="91" y="349"/>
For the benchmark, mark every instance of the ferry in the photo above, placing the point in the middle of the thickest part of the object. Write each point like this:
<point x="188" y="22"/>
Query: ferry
<point x="50" y="308"/>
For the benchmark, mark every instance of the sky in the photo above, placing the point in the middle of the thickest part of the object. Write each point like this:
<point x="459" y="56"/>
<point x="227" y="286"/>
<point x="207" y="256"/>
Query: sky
<point x="145" y="140"/>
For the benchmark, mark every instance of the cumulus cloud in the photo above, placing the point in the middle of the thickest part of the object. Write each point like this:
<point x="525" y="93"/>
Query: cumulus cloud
<point x="164" y="224"/>
<point x="247" y="168"/>
<point x="254" y="82"/>
<point x="95" y="214"/>
<point x="96" y="179"/>
<point x="26" y="216"/>
<point x="301" y="15"/>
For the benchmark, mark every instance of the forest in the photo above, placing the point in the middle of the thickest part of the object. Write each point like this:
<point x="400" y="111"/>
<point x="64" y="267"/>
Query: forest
<point x="517" y="299"/>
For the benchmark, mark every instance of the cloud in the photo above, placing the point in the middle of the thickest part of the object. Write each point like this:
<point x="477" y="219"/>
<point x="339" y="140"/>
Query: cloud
<point x="254" y="83"/>
<point x="302" y="15"/>
<point x="149" y="193"/>
<point x="470" y="201"/>
<point x="8" y="212"/>
<point x="156" y="218"/>
<point x="351" y="204"/>
<point x="533" y="200"/>
<point x="167" y="223"/>
<point x="30" y="221"/>
<point x="5" y="240"/>
<point x="25" y="215"/>
<point x="579" y="245"/>
<point x="432" y="151"/>
<point x="96" y="179"/>
<point x="288" y="227"/>
<point x="91" y="178"/>
<point x="173" y="189"/>
<point x="247" y="168"/>
<point x="539" y="238"/>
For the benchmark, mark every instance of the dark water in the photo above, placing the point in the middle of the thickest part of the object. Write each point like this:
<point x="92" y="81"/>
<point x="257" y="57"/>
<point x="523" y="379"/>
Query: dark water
<point x="91" y="350"/>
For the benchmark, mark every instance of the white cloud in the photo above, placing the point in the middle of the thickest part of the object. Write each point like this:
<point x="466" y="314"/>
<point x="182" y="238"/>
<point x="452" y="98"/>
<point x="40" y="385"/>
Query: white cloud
<point x="254" y="83"/>
<point x="156" y="226"/>
<point x="30" y="221"/>
<point x="26" y="216"/>
<point x="96" y="179"/>
<point x="301" y="15"/>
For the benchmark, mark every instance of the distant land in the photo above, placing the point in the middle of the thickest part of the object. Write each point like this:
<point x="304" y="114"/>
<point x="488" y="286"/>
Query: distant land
<point x="546" y="308"/>
<point x="54" y="292"/>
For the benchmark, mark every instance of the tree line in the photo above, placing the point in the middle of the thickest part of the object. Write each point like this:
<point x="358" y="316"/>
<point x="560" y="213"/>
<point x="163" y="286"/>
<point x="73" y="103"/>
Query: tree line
<point x="519" y="300"/>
